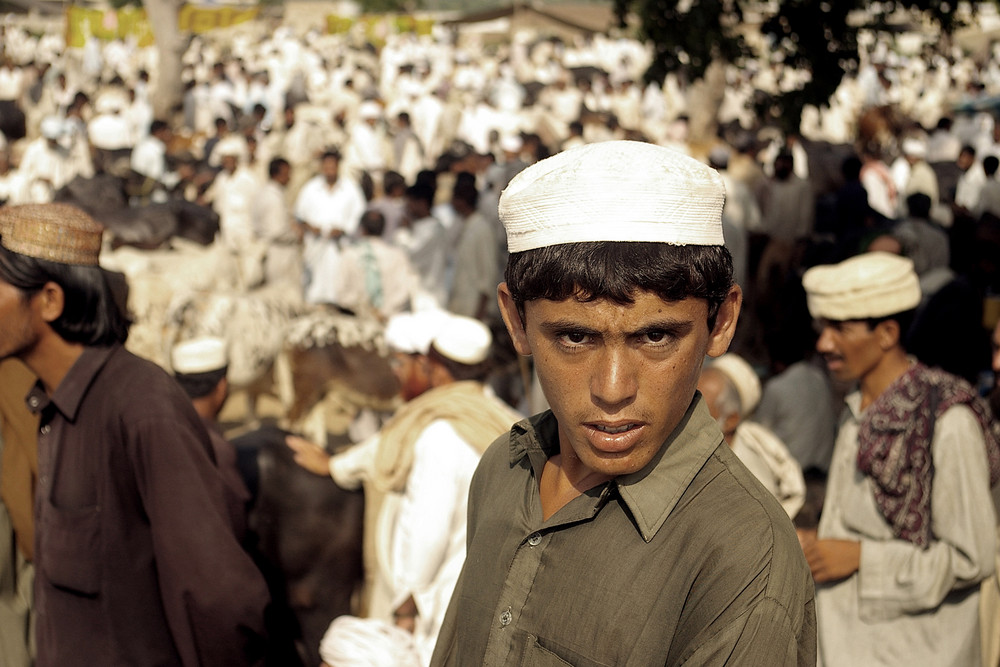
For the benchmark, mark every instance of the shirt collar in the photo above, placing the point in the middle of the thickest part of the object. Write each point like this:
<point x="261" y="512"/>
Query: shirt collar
<point x="651" y="493"/>
<point x="70" y="392"/>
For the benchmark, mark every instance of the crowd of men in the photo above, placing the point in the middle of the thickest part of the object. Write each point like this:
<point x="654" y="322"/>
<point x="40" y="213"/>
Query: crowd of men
<point x="404" y="184"/>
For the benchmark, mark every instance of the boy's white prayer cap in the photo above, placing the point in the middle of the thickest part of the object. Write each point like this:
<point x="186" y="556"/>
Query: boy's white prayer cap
<point x="614" y="191"/>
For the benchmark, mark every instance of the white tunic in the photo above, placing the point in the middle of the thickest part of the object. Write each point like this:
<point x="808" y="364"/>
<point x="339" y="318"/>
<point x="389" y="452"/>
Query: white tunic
<point x="907" y="605"/>
<point x="327" y="208"/>
<point x="420" y="539"/>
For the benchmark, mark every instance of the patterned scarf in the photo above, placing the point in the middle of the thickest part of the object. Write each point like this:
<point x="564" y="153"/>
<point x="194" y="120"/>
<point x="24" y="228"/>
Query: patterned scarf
<point x="895" y="437"/>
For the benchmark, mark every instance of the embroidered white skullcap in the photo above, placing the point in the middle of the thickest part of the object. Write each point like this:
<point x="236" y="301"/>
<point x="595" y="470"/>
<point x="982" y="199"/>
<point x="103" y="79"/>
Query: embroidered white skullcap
<point x="614" y="191"/>
<point x="350" y="641"/>
<point x="463" y="339"/>
<point x="412" y="333"/>
<point x="110" y="102"/>
<point x="743" y="377"/>
<point x="199" y="355"/>
<point x="369" y="109"/>
<point x="873" y="284"/>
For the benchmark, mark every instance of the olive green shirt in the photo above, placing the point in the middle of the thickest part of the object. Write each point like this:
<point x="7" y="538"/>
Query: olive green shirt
<point x="688" y="561"/>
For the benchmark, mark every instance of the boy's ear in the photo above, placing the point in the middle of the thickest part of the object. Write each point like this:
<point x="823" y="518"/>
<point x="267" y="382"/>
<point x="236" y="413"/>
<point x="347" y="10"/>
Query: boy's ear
<point x="512" y="318"/>
<point x="725" y="322"/>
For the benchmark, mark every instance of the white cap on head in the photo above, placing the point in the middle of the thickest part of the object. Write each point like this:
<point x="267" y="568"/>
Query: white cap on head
<point x="914" y="147"/>
<point x="369" y="109"/>
<point x="614" y="191"/>
<point x="52" y="127"/>
<point x="464" y="339"/>
<point x="511" y="143"/>
<point x="412" y="333"/>
<point x="199" y="355"/>
<point x="232" y="145"/>
<point x="873" y="284"/>
<point x="743" y="377"/>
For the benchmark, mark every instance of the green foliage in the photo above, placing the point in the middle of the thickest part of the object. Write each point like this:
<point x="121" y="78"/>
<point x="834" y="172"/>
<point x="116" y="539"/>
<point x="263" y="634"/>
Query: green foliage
<point x="393" y="6"/>
<point x="118" y="4"/>
<point x="818" y="35"/>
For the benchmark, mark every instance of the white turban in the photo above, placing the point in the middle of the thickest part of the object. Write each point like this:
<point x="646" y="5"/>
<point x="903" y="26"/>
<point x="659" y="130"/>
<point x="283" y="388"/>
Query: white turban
<point x="873" y="284"/>
<point x="743" y="377"/>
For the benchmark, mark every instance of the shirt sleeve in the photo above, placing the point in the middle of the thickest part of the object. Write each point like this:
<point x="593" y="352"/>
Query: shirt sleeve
<point x="213" y="594"/>
<point x="896" y="577"/>
<point x="432" y="513"/>
<point x="764" y="635"/>
<point x="353" y="466"/>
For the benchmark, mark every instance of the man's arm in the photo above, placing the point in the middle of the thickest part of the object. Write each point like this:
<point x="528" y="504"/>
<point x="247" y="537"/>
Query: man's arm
<point x="213" y="594"/>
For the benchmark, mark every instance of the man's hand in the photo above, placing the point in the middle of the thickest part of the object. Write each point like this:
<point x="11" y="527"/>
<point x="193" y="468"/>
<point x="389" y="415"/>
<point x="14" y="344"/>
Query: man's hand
<point x="309" y="455"/>
<point x="829" y="560"/>
<point x="406" y="614"/>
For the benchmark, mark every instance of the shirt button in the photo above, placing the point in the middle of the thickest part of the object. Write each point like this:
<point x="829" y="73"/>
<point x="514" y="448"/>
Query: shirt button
<point x="45" y="429"/>
<point x="33" y="402"/>
<point x="506" y="617"/>
<point x="534" y="539"/>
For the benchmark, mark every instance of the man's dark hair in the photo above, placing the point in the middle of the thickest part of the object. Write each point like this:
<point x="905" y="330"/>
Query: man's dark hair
<point x="158" y="125"/>
<point x="91" y="315"/>
<point x="903" y="319"/>
<point x="421" y="192"/>
<point x="372" y="223"/>
<point x="919" y="205"/>
<point x="330" y="153"/>
<point x="199" y="385"/>
<point x="616" y="270"/>
<point x="393" y="181"/>
<point x="990" y="164"/>
<point x="275" y="166"/>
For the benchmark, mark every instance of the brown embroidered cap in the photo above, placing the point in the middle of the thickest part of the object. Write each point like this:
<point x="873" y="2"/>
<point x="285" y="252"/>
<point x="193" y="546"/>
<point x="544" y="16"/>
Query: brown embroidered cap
<point x="55" y="232"/>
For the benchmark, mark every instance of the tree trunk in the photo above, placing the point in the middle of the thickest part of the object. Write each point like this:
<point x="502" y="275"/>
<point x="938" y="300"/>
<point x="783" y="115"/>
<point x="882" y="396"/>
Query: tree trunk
<point x="704" y="100"/>
<point x="170" y="44"/>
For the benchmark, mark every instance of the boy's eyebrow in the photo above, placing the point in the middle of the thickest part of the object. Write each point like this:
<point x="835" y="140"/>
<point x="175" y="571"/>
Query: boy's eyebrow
<point x="673" y="326"/>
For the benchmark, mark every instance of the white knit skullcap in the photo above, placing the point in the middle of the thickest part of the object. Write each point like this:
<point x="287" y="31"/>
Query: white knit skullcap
<point x="511" y="143"/>
<point x="412" y="333"/>
<point x="199" y="355"/>
<point x="873" y="284"/>
<point x="614" y="191"/>
<point x="367" y="642"/>
<point x="743" y="377"/>
<point x="463" y="339"/>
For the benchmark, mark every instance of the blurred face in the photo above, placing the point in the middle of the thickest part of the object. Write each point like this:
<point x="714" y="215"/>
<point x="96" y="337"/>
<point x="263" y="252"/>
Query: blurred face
<point x="330" y="168"/>
<point x="18" y="322"/>
<point x="619" y="378"/>
<point x="850" y="348"/>
<point x="413" y="373"/>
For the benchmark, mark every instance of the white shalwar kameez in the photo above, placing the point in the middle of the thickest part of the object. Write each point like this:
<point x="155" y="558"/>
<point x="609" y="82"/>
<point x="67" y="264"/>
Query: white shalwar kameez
<point x="420" y="538"/>
<point x="906" y="605"/>
<point x="327" y="208"/>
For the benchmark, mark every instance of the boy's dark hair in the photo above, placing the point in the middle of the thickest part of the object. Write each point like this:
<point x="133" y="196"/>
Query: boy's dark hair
<point x="616" y="270"/>
<point x="275" y="166"/>
<point x="91" y="313"/>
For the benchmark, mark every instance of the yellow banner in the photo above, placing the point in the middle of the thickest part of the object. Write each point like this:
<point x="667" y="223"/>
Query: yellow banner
<point x="377" y="27"/>
<point x="203" y="19"/>
<point x="131" y="22"/>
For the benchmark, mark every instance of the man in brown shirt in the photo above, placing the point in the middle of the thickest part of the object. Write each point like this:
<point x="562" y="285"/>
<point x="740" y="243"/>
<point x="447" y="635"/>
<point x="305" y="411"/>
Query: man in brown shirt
<point x="619" y="528"/>
<point x="136" y="561"/>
